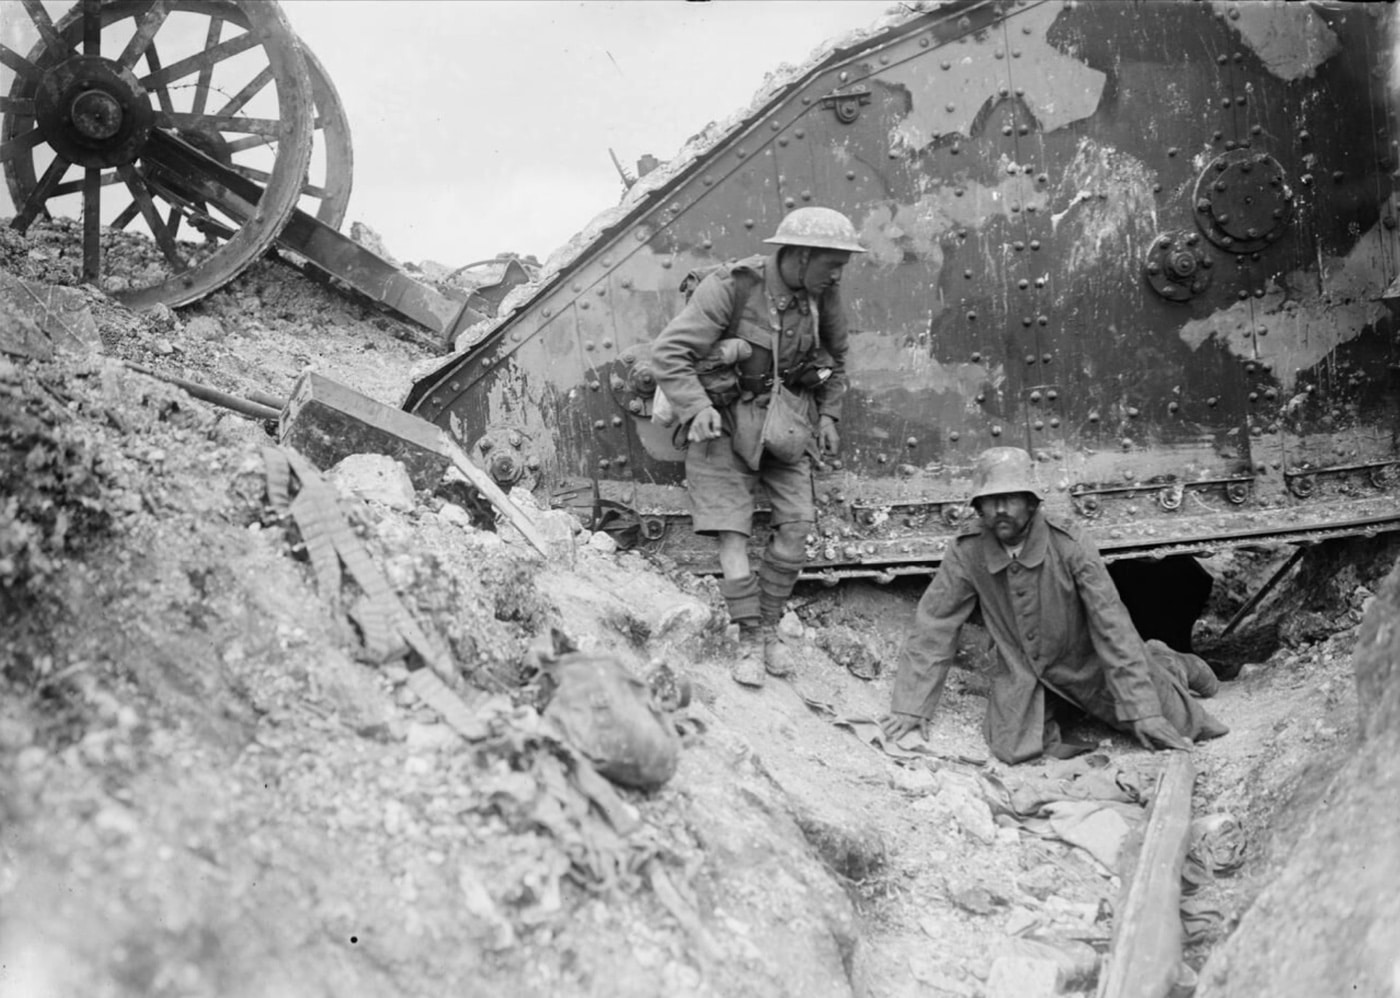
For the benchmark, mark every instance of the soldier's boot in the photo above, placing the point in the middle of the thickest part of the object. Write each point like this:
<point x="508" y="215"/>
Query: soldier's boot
<point x="741" y="596"/>
<point x="776" y="579"/>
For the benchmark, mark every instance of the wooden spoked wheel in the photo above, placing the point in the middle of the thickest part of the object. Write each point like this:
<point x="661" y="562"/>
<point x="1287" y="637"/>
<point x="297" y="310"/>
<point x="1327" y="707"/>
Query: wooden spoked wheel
<point x="132" y="113"/>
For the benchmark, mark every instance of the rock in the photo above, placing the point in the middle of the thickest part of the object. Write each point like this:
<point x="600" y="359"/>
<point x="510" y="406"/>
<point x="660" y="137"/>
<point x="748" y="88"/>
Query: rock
<point x="849" y="649"/>
<point x="375" y="478"/>
<point x="421" y="737"/>
<point x="602" y="543"/>
<point x="352" y="691"/>
<point x="930" y="973"/>
<point x="967" y="807"/>
<point x="492" y="925"/>
<point x="1020" y="920"/>
<point x="525" y="500"/>
<point x="1077" y="962"/>
<point x="681" y="622"/>
<point x="31" y="758"/>
<point x="456" y="515"/>
<point x="913" y="779"/>
<point x="1040" y="881"/>
<point x="117" y="819"/>
<point x="205" y="327"/>
<point x="161" y="318"/>
<point x="394" y="816"/>
<point x="977" y="900"/>
<point x="396" y="672"/>
<point x="162" y="347"/>
<point x="558" y="528"/>
<point x="15" y="733"/>
<point x="372" y="241"/>
<point x="1022" y="977"/>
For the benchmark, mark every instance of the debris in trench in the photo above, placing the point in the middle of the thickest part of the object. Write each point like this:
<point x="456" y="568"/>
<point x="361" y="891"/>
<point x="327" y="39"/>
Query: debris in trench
<point x="295" y="489"/>
<point x="978" y="901"/>
<point x="1219" y="844"/>
<point x="327" y="422"/>
<point x="608" y="714"/>
<point x="847" y="648"/>
<point x="1093" y="777"/>
<point x="1100" y="828"/>
<point x="552" y="784"/>
<point x="868" y="730"/>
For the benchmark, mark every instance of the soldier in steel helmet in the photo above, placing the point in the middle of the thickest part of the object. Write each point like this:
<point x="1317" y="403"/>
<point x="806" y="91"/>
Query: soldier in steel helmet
<point x="1062" y="635"/>
<point x="790" y="297"/>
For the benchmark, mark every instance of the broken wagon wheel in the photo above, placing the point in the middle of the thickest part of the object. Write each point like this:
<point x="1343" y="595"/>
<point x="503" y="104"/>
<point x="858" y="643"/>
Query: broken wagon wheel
<point x="176" y="99"/>
<point x="335" y="165"/>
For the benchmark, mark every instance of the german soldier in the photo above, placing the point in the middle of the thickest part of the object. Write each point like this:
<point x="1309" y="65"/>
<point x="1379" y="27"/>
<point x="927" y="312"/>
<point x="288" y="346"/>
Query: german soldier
<point x="1061" y="633"/>
<point x="789" y="298"/>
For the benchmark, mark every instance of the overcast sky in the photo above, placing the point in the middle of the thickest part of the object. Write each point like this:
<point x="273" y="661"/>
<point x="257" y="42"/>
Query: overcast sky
<point x="480" y="127"/>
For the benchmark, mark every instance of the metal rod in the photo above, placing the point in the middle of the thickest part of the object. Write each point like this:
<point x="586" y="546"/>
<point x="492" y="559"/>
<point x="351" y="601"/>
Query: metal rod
<point x="204" y="392"/>
<point x="1253" y="601"/>
<point x="263" y="398"/>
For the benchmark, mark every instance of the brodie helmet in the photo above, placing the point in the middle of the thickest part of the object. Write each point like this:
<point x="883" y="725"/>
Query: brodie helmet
<point x="819" y="228"/>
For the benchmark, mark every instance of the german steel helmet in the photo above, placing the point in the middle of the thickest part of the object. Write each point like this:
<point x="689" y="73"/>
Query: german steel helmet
<point x="1001" y="470"/>
<point x="820" y="228"/>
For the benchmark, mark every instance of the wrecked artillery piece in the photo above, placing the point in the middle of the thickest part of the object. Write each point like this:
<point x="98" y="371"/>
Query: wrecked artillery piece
<point x="179" y="117"/>
<point x="1148" y="242"/>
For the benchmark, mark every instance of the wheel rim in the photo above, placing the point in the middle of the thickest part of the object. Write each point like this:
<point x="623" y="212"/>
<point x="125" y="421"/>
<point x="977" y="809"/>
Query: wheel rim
<point x="243" y="97"/>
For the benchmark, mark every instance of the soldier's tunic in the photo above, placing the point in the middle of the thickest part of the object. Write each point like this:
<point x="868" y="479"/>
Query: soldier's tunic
<point x="1057" y="623"/>
<point x="749" y="301"/>
<point x="753" y="295"/>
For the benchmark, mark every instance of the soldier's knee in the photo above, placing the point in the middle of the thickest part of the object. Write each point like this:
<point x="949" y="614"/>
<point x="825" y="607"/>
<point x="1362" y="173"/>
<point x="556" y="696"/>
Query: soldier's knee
<point x="792" y="536"/>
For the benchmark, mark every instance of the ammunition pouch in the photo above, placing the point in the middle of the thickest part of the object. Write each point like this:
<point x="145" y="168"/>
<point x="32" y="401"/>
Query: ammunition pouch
<point x="803" y="376"/>
<point x="720" y="381"/>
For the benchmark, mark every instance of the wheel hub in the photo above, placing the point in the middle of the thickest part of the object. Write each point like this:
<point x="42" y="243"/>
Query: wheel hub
<point x="93" y="112"/>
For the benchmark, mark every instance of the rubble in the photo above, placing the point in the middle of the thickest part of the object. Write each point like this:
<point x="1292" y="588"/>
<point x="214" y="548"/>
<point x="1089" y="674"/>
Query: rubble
<point x="207" y="731"/>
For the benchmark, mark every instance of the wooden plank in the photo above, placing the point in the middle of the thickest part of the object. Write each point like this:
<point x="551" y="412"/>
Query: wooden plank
<point x="1146" y="955"/>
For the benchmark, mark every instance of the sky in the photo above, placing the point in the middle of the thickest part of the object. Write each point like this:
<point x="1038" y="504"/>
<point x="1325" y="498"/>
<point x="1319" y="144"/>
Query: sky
<point x="481" y="127"/>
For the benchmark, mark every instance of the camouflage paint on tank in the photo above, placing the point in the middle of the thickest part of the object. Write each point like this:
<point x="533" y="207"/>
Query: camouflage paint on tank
<point x="1144" y="241"/>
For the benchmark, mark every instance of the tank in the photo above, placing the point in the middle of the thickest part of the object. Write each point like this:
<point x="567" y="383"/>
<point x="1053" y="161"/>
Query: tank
<point x="1150" y="242"/>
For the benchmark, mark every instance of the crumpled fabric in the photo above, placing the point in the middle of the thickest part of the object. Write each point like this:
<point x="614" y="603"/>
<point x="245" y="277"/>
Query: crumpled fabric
<point x="1199" y="918"/>
<point x="1100" y="828"/>
<point x="1089" y="801"/>
<point x="1093" y="777"/>
<point x="1218" y="843"/>
<point x="910" y="746"/>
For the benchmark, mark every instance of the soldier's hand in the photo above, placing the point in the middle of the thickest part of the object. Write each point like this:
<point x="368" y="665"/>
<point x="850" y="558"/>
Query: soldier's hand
<point x="828" y="436"/>
<point x="896" y="726"/>
<point x="705" y="425"/>
<point x="1158" y="733"/>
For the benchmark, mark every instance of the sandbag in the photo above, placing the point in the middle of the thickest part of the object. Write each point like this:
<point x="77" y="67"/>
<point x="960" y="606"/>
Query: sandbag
<point x="608" y="714"/>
